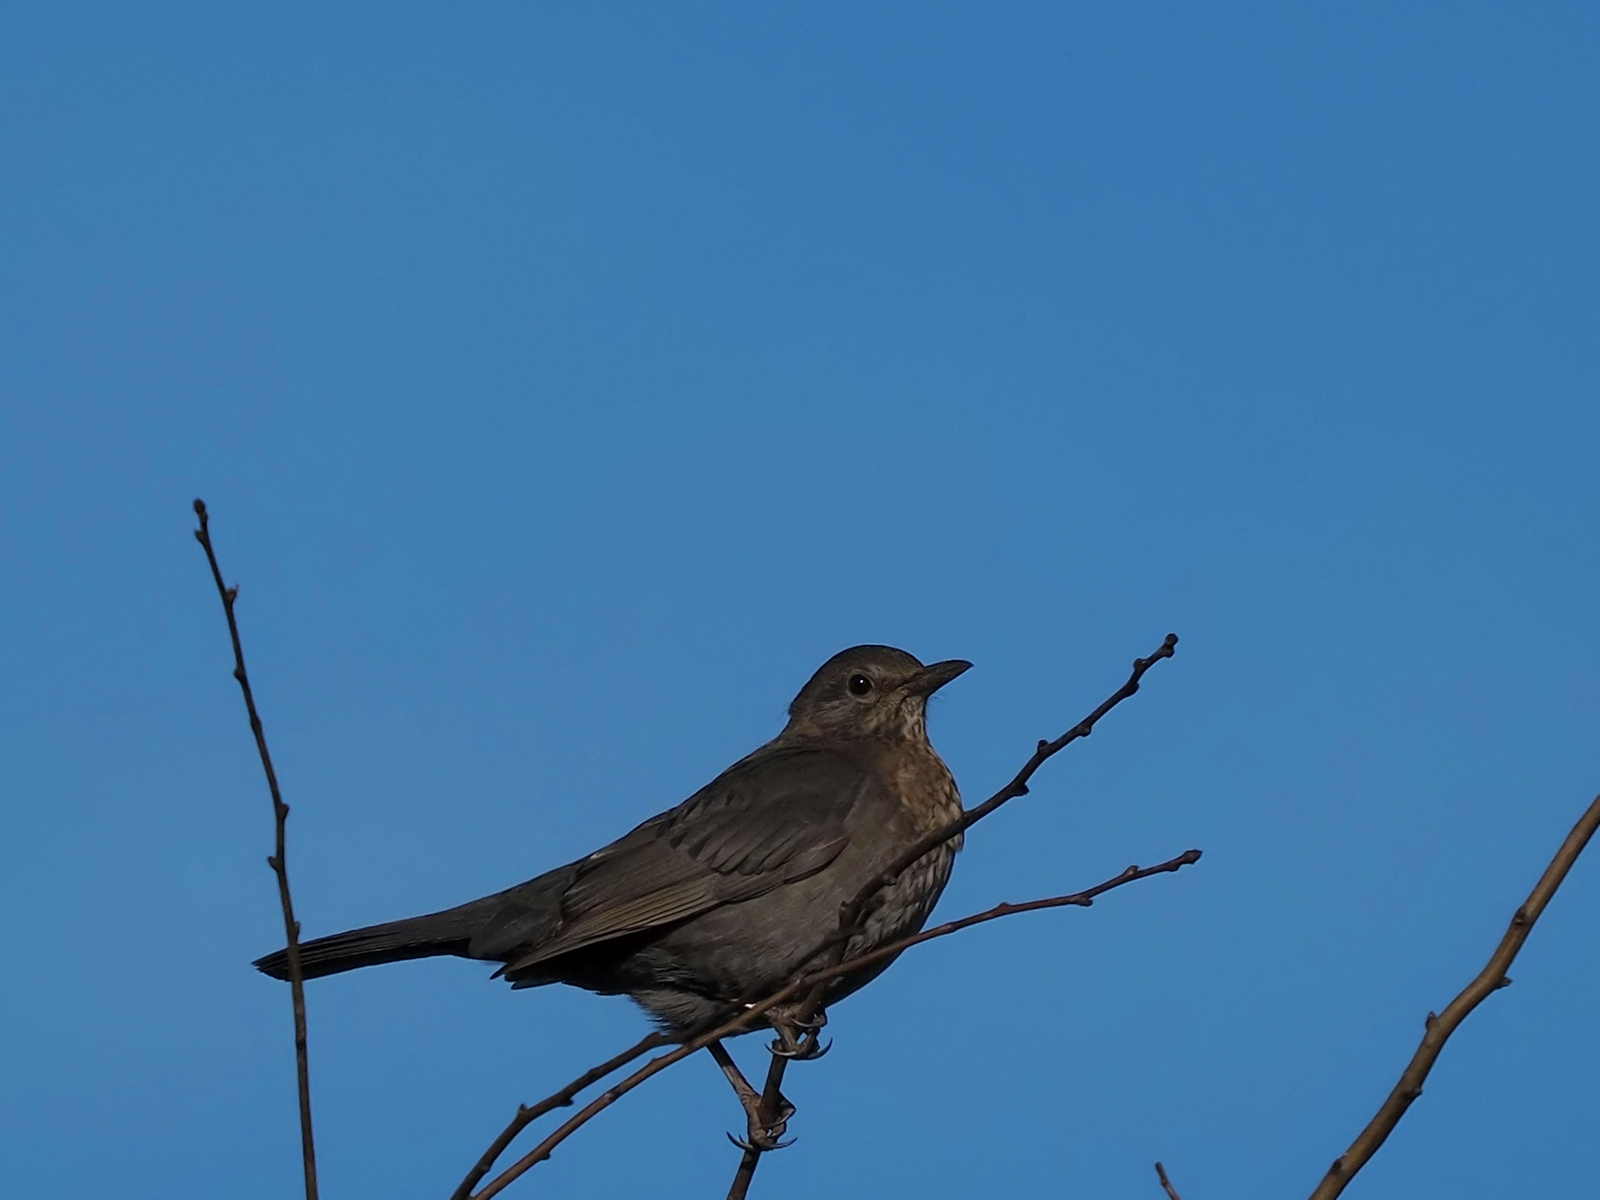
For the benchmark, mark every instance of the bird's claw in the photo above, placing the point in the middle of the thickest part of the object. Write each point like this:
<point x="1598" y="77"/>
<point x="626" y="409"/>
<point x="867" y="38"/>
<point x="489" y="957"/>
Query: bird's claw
<point x="804" y="1050"/>
<point x="763" y="1138"/>
<point x="762" y="1143"/>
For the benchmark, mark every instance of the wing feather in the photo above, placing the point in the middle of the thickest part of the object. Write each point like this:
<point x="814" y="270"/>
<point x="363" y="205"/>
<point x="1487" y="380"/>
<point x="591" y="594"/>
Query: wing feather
<point x="776" y="817"/>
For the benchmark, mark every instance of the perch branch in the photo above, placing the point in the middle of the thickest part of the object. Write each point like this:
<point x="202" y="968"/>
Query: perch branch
<point x="277" y="860"/>
<point x="743" y="1022"/>
<point x="1439" y="1027"/>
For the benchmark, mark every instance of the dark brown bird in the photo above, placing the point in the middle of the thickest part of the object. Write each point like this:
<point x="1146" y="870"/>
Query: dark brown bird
<point x="723" y="899"/>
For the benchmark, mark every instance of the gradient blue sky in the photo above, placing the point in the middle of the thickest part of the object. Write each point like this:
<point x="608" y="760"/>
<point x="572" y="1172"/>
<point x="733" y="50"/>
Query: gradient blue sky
<point x="568" y="383"/>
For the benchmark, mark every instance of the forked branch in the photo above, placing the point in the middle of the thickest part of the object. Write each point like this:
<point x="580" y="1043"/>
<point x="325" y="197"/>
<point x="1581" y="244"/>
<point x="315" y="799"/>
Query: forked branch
<point x="849" y="917"/>
<point x="751" y="1016"/>
<point x="528" y="1113"/>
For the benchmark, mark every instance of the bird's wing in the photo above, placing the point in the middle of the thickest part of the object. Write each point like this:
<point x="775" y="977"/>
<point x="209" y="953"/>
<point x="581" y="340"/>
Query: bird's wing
<point x="776" y="817"/>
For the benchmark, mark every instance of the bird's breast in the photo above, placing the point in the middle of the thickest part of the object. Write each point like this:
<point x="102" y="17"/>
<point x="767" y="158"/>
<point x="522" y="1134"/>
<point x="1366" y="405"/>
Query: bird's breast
<point x="926" y="795"/>
<point x="927" y="792"/>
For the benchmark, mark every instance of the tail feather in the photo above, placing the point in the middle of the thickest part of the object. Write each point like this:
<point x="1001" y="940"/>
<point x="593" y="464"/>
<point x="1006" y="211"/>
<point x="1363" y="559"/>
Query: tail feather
<point x="448" y="932"/>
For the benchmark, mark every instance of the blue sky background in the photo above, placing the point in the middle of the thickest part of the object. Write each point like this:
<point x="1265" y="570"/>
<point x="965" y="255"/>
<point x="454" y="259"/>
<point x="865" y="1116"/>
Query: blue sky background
<point x="568" y="383"/>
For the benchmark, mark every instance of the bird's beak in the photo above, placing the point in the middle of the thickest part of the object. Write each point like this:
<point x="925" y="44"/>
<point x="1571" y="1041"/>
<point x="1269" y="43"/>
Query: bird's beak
<point x="931" y="678"/>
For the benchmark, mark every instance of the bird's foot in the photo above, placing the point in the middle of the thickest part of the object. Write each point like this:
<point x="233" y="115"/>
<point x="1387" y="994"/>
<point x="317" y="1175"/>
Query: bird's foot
<point x="806" y="1049"/>
<point x="763" y="1137"/>
<point x="760" y="1145"/>
<point x="764" y="1133"/>
<point x="799" y="1039"/>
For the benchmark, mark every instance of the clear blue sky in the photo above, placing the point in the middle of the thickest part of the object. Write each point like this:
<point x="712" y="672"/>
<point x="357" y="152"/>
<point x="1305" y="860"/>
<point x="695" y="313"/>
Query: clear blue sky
<point x="568" y="383"/>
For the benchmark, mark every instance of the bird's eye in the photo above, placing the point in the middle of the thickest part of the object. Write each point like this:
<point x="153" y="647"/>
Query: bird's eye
<point x="859" y="684"/>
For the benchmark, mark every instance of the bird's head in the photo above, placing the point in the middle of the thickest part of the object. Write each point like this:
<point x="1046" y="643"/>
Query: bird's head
<point x="870" y="691"/>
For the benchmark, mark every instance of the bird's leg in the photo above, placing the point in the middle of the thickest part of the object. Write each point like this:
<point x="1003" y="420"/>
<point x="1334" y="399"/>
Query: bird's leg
<point x="762" y="1136"/>
<point x="748" y="1096"/>
<point x="797" y="1034"/>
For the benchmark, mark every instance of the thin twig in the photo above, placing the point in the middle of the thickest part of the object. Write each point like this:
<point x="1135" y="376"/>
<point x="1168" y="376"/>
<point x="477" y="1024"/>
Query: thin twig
<point x="277" y="860"/>
<point x="1166" y="1184"/>
<point x="851" y="912"/>
<point x="750" y="1016"/>
<point x="528" y="1113"/>
<point x="1439" y="1027"/>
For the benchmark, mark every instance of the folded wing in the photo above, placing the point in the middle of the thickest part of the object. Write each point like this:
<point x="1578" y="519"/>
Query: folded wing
<point x="778" y="816"/>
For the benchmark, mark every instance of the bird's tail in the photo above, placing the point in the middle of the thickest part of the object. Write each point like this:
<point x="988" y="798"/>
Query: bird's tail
<point x="447" y="932"/>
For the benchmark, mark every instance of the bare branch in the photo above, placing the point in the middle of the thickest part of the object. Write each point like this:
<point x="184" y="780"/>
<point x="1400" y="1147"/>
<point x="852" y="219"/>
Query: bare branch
<point x="1440" y="1027"/>
<point x="277" y="861"/>
<point x="528" y="1113"/>
<point x="751" y="1016"/>
<point x="1166" y="1184"/>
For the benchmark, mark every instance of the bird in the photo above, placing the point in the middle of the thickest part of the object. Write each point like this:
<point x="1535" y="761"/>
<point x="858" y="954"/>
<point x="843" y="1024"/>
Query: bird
<point x="716" y="903"/>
